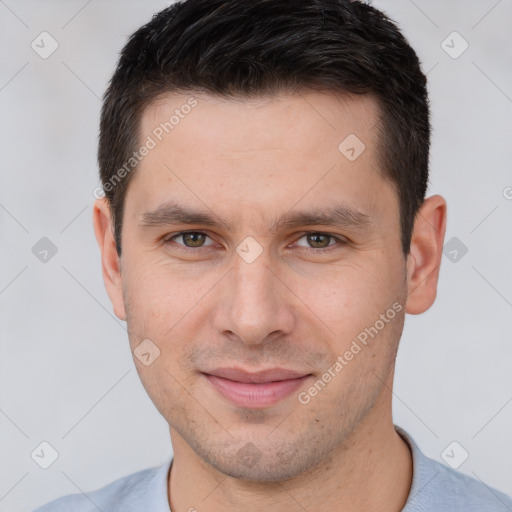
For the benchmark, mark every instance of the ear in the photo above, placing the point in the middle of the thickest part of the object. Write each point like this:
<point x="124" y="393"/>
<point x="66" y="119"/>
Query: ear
<point x="110" y="261"/>
<point x="424" y="259"/>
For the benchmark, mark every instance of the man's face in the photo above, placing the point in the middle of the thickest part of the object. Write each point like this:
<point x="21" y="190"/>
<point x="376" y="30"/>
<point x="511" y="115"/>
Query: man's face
<point x="253" y="292"/>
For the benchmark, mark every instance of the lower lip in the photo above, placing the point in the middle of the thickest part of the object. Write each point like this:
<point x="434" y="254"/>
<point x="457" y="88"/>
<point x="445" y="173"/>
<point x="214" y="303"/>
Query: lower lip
<point x="255" y="395"/>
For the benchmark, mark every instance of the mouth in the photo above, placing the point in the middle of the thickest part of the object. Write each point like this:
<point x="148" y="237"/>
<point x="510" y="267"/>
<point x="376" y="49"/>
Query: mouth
<point x="255" y="390"/>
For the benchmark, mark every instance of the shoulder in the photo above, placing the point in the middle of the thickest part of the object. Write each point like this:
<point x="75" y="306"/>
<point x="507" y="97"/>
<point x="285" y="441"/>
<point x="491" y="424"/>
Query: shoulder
<point x="439" y="488"/>
<point x="458" y="490"/>
<point x="126" y="494"/>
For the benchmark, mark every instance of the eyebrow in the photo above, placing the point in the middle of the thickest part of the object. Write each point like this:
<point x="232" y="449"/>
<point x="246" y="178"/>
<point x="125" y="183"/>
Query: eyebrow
<point x="339" y="215"/>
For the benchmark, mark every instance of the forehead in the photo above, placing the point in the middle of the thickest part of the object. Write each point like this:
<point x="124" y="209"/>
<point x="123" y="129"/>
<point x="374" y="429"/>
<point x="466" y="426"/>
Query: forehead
<point x="313" y="120"/>
<point x="267" y="153"/>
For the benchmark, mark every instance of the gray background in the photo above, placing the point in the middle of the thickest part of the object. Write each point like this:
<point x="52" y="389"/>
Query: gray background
<point x="67" y="376"/>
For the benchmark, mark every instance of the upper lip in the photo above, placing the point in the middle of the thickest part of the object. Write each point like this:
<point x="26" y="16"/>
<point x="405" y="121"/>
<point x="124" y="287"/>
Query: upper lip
<point x="270" y="375"/>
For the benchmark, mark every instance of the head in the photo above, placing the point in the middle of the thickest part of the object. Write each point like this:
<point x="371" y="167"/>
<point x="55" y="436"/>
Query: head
<point x="265" y="165"/>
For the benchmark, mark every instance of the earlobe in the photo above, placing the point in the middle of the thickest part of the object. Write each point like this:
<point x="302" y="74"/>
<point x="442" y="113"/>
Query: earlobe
<point x="424" y="259"/>
<point x="110" y="261"/>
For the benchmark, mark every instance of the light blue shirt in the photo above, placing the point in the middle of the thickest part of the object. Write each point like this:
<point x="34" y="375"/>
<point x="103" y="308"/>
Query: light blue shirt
<point x="435" y="488"/>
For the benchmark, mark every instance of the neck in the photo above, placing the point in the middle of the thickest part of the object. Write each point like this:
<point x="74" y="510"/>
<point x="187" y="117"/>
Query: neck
<point x="370" y="470"/>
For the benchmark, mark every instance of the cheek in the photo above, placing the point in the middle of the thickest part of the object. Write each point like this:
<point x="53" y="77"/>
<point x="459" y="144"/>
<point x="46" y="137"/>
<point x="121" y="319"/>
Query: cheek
<point x="350" y="297"/>
<point x="160" y="297"/>
<point x="158" y="304"/>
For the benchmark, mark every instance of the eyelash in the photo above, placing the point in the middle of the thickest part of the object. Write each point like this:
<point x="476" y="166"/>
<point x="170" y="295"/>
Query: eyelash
<point x="340" y="241"/>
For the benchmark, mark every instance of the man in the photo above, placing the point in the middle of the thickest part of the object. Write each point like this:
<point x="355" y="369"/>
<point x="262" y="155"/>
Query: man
<point x="264" y="231"/>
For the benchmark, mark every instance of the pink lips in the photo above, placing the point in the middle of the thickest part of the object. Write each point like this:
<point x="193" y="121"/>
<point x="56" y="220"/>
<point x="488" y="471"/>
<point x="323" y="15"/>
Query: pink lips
<point x="255" y="390"/>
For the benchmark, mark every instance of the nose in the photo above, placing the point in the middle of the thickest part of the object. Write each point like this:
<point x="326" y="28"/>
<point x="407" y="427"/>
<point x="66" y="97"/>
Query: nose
<point x="254" y="302"/>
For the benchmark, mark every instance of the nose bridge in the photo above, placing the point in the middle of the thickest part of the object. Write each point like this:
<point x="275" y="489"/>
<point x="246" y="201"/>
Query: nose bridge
<point x="252" y="280"/>
<point x="254" y="301"/>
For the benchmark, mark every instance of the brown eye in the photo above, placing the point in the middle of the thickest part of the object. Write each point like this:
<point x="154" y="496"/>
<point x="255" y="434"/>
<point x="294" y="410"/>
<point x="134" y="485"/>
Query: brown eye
<point x="318" y="240"/>
<point x="190" y="239"/>
<point x="194" y="239"/>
